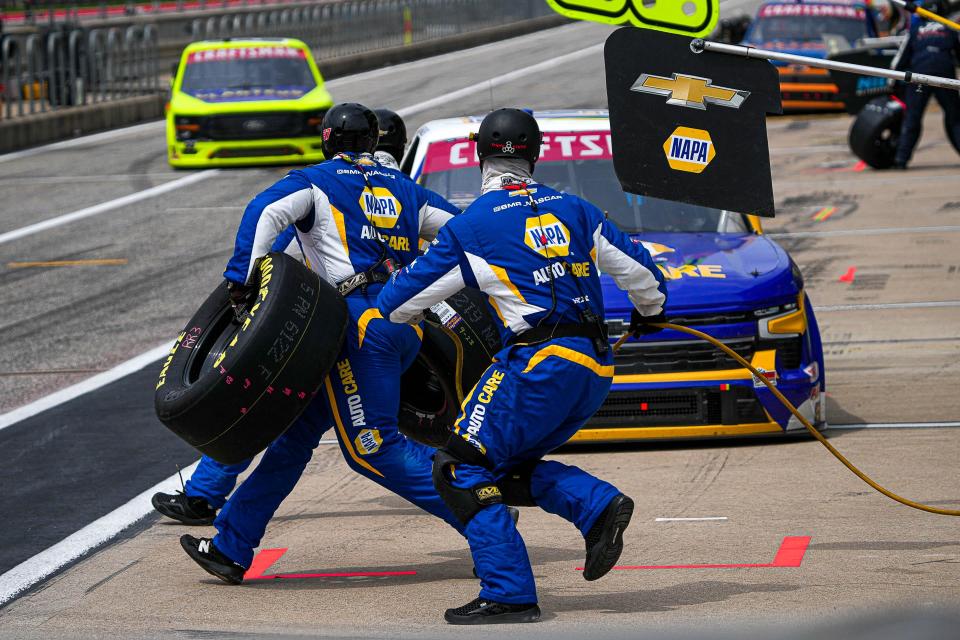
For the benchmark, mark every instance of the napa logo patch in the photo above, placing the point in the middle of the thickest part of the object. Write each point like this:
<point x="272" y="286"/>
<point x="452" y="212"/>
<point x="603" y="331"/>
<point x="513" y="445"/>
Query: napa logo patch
<point x="546" y="235"/>
<point x="380" y="207"/>
<point x="689" y="150"/>
<point x="368" y="441"/>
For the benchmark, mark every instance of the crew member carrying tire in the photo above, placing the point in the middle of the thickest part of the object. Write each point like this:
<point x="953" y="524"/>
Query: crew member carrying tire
<point x="356" y="222"/>
<point x="931" y="48"/>
<point x="535" y="252"/>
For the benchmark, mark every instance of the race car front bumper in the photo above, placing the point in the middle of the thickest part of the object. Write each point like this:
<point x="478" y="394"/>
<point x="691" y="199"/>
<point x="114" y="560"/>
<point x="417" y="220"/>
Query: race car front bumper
<point x="804" y="88"/>
<point x="704" y="404"/>
<point x="232" y="153"/>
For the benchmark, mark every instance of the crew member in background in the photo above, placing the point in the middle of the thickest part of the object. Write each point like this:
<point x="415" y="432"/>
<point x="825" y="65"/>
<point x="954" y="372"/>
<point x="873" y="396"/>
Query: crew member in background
<point x="931" y="48"/>
<point x="536" y="252"/>
<point x="393" y="139"/>
<point x="356" y="222"/>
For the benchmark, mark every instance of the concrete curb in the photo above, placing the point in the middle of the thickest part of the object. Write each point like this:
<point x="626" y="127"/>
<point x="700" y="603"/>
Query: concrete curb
<point x="28" y="131"/>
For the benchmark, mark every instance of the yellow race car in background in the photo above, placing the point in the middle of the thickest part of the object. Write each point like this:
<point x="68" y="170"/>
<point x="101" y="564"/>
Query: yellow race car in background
<point x="242" y="102"/>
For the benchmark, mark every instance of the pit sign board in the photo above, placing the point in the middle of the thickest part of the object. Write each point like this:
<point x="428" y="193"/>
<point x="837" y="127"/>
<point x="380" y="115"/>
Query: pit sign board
<point x="684" y="17"/>
<point x="690" y="127"/>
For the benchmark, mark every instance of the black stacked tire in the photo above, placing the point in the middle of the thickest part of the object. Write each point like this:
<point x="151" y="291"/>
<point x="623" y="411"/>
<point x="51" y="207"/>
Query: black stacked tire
<point x="875" y="131"/>
<point x="460" y="338"/>
<point x="229" y="387"/>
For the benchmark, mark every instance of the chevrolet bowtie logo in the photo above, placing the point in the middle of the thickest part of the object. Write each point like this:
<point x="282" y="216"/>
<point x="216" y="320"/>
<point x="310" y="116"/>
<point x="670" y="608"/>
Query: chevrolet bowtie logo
<point x="690" y="91"/>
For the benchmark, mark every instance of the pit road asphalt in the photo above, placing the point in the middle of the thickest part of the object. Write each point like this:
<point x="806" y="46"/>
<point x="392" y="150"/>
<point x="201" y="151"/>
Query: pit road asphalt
<point x="66" y="467"/>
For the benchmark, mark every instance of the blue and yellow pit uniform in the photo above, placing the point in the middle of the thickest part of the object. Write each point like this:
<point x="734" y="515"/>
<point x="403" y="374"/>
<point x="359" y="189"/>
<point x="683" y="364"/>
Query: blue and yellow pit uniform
<point x="351" y="215"/>
<point x="536" y="252"/>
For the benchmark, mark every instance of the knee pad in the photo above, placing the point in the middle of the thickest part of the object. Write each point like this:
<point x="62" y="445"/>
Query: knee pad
<point x="464" y="503"/>
<point x="515" y="486"/>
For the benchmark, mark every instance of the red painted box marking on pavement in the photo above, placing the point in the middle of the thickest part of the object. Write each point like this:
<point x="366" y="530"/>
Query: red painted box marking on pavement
<point x="266" y="558"/>
<point x="790" y="554"/>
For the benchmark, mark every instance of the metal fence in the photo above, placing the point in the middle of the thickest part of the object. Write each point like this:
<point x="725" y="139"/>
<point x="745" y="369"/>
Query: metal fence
<point x="73" y="67"/>
<point x="64" y="66"/>
<point x="335" y="29"/>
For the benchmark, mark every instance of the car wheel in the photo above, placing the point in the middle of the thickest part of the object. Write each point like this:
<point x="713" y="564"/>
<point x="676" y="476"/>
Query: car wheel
<point x="460" y="339"/>
<point x="875" y="132"/>
<point x="229" y="386"/>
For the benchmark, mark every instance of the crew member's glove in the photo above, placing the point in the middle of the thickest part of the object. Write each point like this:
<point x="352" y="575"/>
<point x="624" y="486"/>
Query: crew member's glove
<point x="239" y="297"/>
<point x="643" y="325"/>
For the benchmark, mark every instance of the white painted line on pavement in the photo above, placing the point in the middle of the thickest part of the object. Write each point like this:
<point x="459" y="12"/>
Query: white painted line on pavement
<point x="364" y="76"/>
<point x="31" y="571"/>
<point x="690" y="519"/>
<point x="82" y="140"/>
<point x="863" y="232"/>
<point x="90" y="384"/>
<point x="486" y="85"/>
<point x="887" y="305"/>
<point x="897" y="425"/>
<point x="110" y="205"/>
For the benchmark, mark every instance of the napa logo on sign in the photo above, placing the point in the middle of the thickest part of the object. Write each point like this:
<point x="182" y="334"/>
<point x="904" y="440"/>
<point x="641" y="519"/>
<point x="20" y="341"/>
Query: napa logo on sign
<point x="546" y="235"/>
<point x="381" y="207"/>
<point x="689" y="150"/>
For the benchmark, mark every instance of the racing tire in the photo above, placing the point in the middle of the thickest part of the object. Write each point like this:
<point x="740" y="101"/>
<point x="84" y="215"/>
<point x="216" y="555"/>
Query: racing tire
<point x="875" y="132"/>
<point x="230" y="386"/>
<point x="460" y="339"/>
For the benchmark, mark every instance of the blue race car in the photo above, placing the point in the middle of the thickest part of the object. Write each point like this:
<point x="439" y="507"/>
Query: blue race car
<point x="805" y="28"/>
<point x="725" y="278"/>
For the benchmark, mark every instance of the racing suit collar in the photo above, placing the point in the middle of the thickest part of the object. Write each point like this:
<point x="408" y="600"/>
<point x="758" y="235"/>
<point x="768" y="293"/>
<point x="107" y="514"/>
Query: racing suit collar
<point x="385" y="159"/>
<point x="355" y="157"/>
<point x="498" y="172"/>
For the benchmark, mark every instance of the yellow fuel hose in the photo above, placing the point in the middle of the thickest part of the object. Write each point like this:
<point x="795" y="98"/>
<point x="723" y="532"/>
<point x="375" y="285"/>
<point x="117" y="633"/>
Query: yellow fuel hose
<point x="930" y="15"/>
<point x="926" y="13"/>
<point x="813" y="431"/>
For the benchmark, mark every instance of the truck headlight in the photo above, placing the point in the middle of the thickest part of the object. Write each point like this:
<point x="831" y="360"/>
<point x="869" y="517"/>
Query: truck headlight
<point x="186" y="127"/>
<point x="788" y="319"/>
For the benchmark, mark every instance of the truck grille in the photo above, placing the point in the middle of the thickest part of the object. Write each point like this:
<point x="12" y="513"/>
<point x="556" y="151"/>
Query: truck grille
<point x="254" y="126"/>
<point x="669" y="407"/>
<point x="681" y="355"/>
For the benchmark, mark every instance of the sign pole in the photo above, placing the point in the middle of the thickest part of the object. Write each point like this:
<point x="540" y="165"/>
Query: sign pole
<point x="699" y="46"/>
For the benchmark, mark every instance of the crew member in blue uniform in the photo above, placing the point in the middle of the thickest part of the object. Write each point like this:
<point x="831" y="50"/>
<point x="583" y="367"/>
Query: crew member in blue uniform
<point x="536" y="252"/>
<point x="931" y="48"/>
<point x="356" y="222"/>
<point x="206" y="491"/>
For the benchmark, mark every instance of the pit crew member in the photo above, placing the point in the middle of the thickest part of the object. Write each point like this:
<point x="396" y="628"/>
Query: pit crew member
<point x="933" y="49"/>
<point x="535" y="252"/>
<point x="393" y="139"/>
<point x="356" y="221"/>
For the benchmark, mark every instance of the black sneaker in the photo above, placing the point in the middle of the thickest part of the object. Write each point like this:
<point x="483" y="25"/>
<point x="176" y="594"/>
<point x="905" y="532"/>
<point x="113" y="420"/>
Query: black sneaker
<point x="605" y="538"/>
<point x="482" y="611"/>
<point x="205" y="554"/>
<point x="183" y="508"/>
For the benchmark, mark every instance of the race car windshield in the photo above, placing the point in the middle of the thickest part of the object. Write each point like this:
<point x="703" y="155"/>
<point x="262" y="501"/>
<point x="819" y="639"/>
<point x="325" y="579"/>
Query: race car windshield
<point x="592" y="179"/>
<point x="798" y="22"/>
<point x="238" y="70"/>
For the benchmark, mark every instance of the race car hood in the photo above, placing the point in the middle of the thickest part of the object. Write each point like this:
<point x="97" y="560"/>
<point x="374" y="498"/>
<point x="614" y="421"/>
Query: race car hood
<point x="230" y="102"/>
<point x="713" y="272"/>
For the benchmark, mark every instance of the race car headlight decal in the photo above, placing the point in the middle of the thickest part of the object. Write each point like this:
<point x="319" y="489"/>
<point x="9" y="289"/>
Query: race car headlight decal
<point x="795" y="322"/>
<point x="792" y="320"/>
<point x="187" y="128"/>
<point x="314" y="119"/>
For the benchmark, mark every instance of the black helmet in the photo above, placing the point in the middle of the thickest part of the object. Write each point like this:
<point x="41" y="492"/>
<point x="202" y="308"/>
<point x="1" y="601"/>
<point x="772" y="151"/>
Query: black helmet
<point x="349" y="126"/>
<point x="509" y="133"/>
<point x="393" y="133"/>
